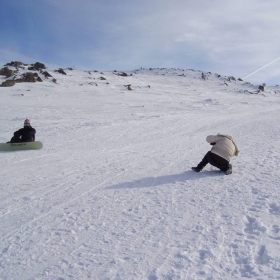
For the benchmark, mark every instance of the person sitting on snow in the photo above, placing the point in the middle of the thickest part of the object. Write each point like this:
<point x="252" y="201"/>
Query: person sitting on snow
<point x="220" y="155"/>
<point x="25" y="134"/>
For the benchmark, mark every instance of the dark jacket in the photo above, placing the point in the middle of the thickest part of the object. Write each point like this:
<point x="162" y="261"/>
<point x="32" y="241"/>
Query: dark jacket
<point x="26" y="134"/>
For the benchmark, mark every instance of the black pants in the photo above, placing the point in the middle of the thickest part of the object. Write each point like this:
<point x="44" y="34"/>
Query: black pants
<point x="15" y="139"/>
<point x="214" y="160"/>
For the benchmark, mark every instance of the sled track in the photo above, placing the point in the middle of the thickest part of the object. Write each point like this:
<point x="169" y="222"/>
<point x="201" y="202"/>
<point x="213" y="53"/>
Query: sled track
<point x="55" y="208"/>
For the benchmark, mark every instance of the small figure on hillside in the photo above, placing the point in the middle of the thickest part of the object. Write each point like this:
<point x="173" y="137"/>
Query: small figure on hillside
<point x="203" y="76"/>
<point x="25" y="134"/>
<point x="220" y="155"/>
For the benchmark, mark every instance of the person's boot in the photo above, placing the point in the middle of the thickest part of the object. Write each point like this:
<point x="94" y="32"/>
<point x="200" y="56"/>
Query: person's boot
<point x="229" y="170"/>
<point x="196" y="169"/>
<point x="199" y="167"/>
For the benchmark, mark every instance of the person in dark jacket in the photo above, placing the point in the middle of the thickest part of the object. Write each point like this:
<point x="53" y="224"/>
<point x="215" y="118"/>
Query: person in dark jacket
<point x="25" y="134"/>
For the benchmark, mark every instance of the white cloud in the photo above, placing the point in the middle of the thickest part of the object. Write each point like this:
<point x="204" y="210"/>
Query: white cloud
<point x="229" y="37"/>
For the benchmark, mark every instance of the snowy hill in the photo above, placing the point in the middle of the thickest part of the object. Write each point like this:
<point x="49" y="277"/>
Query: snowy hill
<point x="111" y="194"/>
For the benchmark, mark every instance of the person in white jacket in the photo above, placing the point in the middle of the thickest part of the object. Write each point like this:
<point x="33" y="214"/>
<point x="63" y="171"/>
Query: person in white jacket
<point x="220" y="155"/>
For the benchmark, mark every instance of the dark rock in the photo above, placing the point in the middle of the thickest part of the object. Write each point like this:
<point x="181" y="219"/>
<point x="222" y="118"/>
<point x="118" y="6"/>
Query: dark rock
<point x="6" y="72"/>
<point x="29" y="77"/>
<point x="61" y="71"/>
<point x="8" y="83"/>
<point x="128" y="87"/>
<point x="39" y="65"/>
<point x="92" y="83"/>
<point x="123" y="74"/>
<point x="39" y="79"/>
<point x="102" y="78"/>
<point x="203" y="76"/>
<point x="14" y="64"/>
<point x="47" y="74"/>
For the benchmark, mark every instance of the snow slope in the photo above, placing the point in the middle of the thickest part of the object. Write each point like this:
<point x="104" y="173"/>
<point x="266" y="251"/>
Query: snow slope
<point x="111" y="194"/>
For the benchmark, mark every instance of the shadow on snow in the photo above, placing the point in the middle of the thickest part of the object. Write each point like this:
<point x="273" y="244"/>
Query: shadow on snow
<point x="166" y="179"/>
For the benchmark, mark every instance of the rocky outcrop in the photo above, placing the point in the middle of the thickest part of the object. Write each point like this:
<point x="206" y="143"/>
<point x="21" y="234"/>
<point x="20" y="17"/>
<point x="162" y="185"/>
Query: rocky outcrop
<point x="28" y="77"/>
<point x="123" y="74"/>
<point x="15" y="64"/>
<point x="37" y="66"/>
<point x="231" y="78"/>
<point x="7" y="72"/>
<point x="14" y="74"/>
<point x="61" y="71"/>
<point x="8" y="83"/>
<point x="46" y="74"/>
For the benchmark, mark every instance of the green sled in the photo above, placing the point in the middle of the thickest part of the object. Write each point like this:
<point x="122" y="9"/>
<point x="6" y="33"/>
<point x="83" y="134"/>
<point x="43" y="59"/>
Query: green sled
<point x="5" y="147"/>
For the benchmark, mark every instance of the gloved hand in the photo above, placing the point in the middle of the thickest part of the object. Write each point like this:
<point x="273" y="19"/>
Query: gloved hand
<point x="212" y="144"/>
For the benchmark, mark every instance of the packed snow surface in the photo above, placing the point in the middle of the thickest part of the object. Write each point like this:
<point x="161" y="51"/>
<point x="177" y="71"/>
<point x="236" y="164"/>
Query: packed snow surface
<point x="112" y="195"/>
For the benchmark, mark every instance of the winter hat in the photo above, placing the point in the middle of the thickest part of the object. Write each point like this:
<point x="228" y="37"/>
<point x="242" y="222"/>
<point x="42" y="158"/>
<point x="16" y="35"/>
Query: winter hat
<point x="27" y="122"/>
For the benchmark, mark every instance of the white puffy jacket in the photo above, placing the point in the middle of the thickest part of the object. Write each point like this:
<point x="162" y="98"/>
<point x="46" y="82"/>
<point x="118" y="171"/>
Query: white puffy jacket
<point x="224" y="146"/>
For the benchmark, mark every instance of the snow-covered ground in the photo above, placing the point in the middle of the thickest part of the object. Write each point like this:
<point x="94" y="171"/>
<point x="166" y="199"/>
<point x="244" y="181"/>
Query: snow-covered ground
<point x="111" y="194"/>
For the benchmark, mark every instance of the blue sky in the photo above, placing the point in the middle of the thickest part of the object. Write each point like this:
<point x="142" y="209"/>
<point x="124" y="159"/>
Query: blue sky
<point x="226" y="37"/>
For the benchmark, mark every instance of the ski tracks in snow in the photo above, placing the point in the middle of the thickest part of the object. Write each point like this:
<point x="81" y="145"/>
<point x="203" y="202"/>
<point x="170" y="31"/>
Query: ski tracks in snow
<point x="120" y="202"/>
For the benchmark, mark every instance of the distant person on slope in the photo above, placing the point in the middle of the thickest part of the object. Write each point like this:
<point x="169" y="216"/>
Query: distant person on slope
<point x="220" y="155"/>
<point x="25" y="134"/>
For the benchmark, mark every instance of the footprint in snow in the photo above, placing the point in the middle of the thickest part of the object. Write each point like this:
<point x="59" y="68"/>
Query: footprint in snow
<point x="274" y="209"/>
<point x="252" y="226"/>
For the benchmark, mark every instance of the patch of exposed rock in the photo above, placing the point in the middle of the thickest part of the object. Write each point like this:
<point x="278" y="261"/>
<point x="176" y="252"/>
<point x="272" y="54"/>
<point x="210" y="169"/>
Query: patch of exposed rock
<point x="7" y="72"/>
<point x="37" y="66"/>
<point x="61" y="71"/>
<point x="13" y="75"/>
